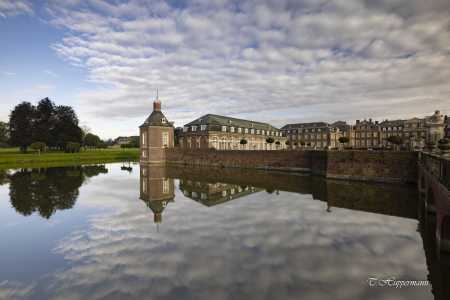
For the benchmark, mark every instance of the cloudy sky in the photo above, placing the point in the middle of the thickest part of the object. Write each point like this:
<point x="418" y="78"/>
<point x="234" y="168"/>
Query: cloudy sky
<point x="277" y="60"/>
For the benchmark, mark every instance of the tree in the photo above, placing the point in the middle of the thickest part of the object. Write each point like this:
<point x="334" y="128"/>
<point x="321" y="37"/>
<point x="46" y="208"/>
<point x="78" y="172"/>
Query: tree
<point x="66" y="127"/>
<point x="21" y="125"/>
<point x="396" y="140"/>
<point x="44" y="121"/>
<point x="287" y="143"/>
<point x="343" y="140"/>
<point x="302" y="143"/>
<point x="270" y="140"/>
<point x="243" y="142"/>
<point x="91" y="140"/>
<point x="4" y="136"/>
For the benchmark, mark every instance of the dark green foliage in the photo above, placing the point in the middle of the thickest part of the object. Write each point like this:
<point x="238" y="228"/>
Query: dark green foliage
<point x="39" y="146"/>
<point x="243" y="142"/>
<point x="21" y="125"/>
<point x="270" y="140"/>
<point x="302" y="143"/>
<point x="4" y="136"/>
<point x="277" y="143"/>
<point x="343" y="140"/>
<point x="53" y="125"/>
<point x="91" y="140"/>
<point x="288" y="143"/>
<point x="72" y="147"/>
<point x="396" y="140"/>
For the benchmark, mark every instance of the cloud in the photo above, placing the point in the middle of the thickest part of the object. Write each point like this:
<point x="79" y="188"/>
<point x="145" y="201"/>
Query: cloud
<point x="339" y="59"/>
<point x="6" y="73"/>
<point x="10" y="8"/>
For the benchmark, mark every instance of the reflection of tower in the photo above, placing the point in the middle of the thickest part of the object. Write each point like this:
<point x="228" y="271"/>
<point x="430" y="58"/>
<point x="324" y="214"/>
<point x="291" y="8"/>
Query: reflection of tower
<point x="156" y="190"/>
<point x="156" y="134"/>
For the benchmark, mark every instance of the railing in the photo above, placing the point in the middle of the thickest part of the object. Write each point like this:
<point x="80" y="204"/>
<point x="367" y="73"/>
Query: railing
<point x="438" y="166"/>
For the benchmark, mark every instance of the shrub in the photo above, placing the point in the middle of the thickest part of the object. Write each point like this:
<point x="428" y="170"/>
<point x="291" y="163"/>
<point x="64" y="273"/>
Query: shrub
<point x="72" y="147"/>
<point x="39" y="146"/>
<point x="243" y="142"/>
<point x="277" y="143"/>
<point x="270" y="140"/>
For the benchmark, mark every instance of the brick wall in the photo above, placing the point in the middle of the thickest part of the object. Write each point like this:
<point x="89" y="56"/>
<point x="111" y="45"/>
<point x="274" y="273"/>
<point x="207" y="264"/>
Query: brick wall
<point x="354" y="165"/>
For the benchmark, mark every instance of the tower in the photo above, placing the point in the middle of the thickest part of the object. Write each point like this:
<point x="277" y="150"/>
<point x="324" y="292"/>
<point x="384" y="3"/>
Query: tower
<point x="156" y="189"/>
<point x="156" y="135"/>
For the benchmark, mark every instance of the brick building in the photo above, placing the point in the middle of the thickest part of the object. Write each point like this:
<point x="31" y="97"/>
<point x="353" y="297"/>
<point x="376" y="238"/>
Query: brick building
<point x="226" y="133"/>
<point x="156" y="134"/>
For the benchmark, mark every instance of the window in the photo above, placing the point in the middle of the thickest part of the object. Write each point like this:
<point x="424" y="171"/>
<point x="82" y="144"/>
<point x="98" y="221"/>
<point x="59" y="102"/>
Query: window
<point x="258" y="131"/>
<point x="252" y="131"/>
<point x="263" y="132"/>
<point x="143" y="138"/>
<point x="144" y="154"/>
<point x="224" y="128"/>
<point x="165" y="139"/>
<point x="144" y="186"/>
<point x="166" y="185"/>
<point x="231" y="129"/>
<point x="246" y="130"/>
<point x="239" y="130"/>
<point x="185" y="129"/>
<point x="202" y="127"/>
<point x="163" y="120"/>
<point x="193" y="128"/>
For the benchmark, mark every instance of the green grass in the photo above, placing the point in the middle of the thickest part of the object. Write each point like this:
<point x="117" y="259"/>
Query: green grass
<point x="13" y="158"/>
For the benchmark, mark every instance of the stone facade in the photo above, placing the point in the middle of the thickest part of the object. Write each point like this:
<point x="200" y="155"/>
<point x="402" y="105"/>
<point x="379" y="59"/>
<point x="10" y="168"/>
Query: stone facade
<point x="414" y="133"/>
<point x="318" y="135"/>
<point x="156" y="135"/>
<point x="226" y="133"/>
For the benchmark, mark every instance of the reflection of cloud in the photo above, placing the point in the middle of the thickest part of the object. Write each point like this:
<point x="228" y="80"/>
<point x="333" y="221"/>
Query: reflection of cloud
<point x="262" y="246"/>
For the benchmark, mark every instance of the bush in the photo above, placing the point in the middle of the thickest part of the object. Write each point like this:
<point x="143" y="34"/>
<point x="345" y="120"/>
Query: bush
<point x="72" y="147"/>
<point x="38" y="146"/>
<point x="270" y="140"/>
<point x="277" y="143"/>
<point x="243" y="142"/>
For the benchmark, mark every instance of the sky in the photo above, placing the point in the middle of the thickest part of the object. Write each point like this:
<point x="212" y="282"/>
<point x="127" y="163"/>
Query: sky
<point x="276" y="61"/>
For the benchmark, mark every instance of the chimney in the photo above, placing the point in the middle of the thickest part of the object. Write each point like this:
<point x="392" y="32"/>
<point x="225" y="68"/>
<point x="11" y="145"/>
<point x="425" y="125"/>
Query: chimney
<point x="357" y="121"/>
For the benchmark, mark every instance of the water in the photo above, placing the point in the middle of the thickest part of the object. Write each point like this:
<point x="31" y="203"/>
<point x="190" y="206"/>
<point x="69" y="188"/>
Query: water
<point x="124" y="232"/>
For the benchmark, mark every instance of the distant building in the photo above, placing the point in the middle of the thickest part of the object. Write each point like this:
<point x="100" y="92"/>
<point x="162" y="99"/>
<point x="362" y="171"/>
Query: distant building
<point x="367" y="134"/>
<point x="124" y="140"/>
<point x="447" y="127"/>
<point x="226" y="133"/>
<point x="317" y="135"/>
<point x="156" y="134"/>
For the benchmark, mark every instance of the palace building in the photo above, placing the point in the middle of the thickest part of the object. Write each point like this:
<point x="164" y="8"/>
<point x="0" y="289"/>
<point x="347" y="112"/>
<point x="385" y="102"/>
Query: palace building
<point x="317" y="135"/>
<point x="227" y="133"/>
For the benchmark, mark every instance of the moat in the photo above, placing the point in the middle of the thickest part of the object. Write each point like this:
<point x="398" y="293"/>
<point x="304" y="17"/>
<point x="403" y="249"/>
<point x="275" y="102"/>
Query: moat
<point x="125" y="231"/>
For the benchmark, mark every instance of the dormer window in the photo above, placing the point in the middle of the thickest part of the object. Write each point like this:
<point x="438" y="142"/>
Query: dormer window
<point x="185" y="129"/>
<point x="202" y="127"/>
<point x="224" y="128"/>
<point x="193" y="128"/>
<point x="163" y="120"/>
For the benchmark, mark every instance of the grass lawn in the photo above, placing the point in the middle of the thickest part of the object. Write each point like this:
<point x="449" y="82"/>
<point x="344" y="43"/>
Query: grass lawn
<point x="13" y="158"/>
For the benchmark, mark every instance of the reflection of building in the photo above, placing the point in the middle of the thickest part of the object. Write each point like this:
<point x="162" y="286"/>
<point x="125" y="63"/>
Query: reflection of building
<point x="210" y="194"/>
<point x="156" y="135"/>
<point x="156" y="190"/>
<point x="226" y="133"/>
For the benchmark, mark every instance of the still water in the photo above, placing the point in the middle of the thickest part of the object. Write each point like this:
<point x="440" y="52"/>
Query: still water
<point x="130" y="232"/>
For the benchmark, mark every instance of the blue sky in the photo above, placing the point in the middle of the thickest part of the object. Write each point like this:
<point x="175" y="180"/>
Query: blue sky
<point x="275" y="61"/>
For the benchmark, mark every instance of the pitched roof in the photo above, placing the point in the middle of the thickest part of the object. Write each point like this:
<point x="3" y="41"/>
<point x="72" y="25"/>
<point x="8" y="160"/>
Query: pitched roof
<point x="392" y="123"/>
<point x="157" y="118"/>
<point x="304" y="125"/>
<point x="211" y="119"/>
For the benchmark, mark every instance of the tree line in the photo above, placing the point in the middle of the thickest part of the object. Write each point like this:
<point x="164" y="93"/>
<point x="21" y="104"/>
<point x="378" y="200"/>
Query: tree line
<point x="46" y="125"/>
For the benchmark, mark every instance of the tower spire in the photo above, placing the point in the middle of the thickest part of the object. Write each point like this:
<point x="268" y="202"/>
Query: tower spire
<point x="157" y="96"/>
<point x="157" y="103"/>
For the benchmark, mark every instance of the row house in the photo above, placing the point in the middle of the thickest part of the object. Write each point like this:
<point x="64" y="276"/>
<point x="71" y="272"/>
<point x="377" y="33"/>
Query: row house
<point x="226" y="133"/>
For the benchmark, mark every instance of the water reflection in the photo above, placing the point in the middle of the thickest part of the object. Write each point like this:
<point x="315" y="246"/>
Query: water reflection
<point x="47" y="190"/>
<point x="156" y="189"/>
<point x="235" y="234"/>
